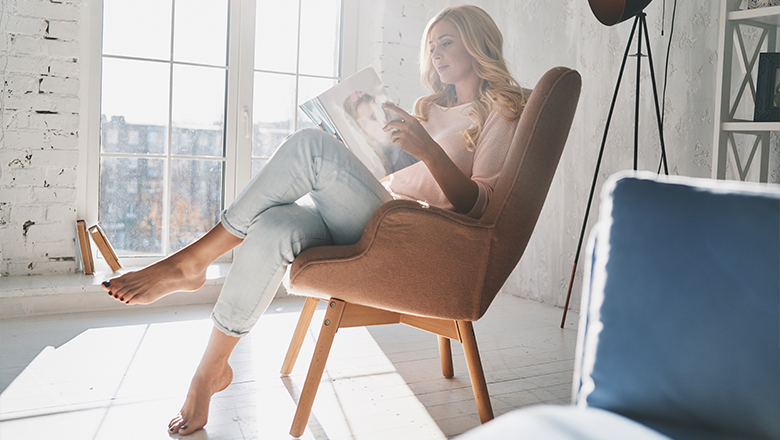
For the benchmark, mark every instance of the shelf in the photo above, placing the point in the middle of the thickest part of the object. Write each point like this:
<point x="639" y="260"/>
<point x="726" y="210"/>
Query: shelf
<point x="769" y="15"/>
<point x="751" y="126"/>
<point x="732" y="52"/>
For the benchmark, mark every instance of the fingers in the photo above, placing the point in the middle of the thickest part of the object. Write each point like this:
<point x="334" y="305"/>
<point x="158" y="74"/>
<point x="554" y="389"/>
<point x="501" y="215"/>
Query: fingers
<point x="335" y="136"/>
<point x="396" y="136"/>
<point x="397" y="110"/>
<point x="393" y="126"/>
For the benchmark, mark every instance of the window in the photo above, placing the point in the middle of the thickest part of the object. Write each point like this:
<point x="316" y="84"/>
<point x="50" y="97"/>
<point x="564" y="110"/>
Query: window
<point x="296" y="58"/>
<point x="180" y="83"/>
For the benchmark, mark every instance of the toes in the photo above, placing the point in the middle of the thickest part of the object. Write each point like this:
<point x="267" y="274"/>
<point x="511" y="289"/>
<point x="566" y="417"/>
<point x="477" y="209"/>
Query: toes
<point x="116" y="295"/>
<point x="186" y="430"/>
<point x="182" y="426"/>
<point x="175" y="423"/>
<point x="128" y="297"/>
<point x="122" y="294"/>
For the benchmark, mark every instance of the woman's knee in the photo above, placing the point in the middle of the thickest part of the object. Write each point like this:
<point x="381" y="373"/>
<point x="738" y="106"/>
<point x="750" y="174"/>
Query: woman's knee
<point x="308" y="133"/>
<point x="288" y="227"/>
<point x="303" y="137"/>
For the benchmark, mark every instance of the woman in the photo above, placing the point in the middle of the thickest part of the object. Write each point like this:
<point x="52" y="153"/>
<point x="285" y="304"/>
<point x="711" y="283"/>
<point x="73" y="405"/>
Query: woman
<point x="314" y="192"/>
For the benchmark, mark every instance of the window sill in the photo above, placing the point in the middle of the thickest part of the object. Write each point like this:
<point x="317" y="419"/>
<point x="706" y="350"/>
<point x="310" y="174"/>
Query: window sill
<point x="23" y="296"/>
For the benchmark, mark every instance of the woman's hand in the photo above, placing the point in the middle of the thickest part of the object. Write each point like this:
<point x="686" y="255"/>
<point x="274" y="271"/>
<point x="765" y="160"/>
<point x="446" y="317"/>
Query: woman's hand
<point x="410" y="135"/>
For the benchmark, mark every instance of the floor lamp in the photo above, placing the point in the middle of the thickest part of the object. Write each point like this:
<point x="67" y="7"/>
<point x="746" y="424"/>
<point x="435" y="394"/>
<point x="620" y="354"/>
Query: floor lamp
<point x="611" y="12"/>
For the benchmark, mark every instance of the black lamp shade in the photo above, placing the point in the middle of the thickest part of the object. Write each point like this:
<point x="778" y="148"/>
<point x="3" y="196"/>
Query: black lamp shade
<point x="611" y="12"/>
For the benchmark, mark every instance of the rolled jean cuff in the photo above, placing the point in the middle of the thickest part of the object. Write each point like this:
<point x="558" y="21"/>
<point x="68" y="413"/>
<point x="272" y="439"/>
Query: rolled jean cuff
<point x="218" y="325"/>
<point x="228" y="227"/>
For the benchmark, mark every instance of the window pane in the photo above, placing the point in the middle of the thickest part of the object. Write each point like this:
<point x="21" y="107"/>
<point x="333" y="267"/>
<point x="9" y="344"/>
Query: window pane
<point x="308" y="88"/>
<point x="196" y="199"/>
<point x="198" y="115"/>
<point x="200" y="32"/>
<point x="320" y="37"/>
<point x="257" y="165"/>
<point x="138" y="28"/>
<point x="274" y="110"/>
<point x="130" y="203"/>
<point x="134" y="93"/>
<point x="276" y="35"/>
<point x="117" y="135"/>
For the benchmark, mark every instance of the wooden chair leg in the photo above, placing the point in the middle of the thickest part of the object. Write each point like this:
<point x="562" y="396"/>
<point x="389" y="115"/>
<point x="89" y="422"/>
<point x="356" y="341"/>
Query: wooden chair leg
<point x="445" y="353"/>
<point x="476" y="373"/>
<point x="299" y="335"/>
<point x="329" y="327"/>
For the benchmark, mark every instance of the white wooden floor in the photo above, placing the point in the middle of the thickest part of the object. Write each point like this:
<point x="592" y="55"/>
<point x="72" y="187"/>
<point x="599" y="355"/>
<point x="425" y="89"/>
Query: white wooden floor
<point x="124" y="375"/>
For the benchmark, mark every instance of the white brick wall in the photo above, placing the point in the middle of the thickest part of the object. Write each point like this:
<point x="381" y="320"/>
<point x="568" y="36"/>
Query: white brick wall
<point x="39" y="52"/>
<point x="395" y="47"/>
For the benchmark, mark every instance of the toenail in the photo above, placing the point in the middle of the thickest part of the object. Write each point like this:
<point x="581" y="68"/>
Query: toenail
<point x="116" y="296"/>
<point x="183" y="427"/>
<point x="107" y="283"/>
<point x="109" y="293"/>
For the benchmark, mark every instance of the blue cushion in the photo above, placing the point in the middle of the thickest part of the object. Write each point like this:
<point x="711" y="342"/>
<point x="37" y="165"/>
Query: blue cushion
<point x="683" y="305"/>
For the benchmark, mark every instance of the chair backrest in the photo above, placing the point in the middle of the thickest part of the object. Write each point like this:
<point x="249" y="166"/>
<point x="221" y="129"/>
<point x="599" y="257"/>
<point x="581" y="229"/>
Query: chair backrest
<point x="528" y="172"/>
<point x="680" y="321"/>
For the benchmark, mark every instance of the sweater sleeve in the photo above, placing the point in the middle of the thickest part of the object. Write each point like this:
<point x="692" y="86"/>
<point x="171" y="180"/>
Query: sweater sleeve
<point x="489" y="156"/>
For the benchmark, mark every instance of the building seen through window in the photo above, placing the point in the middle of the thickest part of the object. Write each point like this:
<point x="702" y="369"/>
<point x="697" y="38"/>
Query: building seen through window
<point x="169" y="93"/>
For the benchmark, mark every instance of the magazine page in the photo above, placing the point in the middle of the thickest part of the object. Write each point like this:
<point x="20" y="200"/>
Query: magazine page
<point x="355" y="107"/>
<point x="313" y="109"/>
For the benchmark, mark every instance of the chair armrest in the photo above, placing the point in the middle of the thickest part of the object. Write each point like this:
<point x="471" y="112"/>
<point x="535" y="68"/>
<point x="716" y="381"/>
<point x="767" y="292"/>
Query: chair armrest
<point x="394" y="219"/>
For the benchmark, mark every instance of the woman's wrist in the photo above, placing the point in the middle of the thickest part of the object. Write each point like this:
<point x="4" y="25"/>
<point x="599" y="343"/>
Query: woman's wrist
<point x="434" y="154"/>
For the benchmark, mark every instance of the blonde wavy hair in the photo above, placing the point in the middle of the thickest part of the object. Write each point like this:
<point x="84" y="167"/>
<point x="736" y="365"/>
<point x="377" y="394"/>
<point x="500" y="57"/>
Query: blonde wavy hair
<point x="484" y="42"/>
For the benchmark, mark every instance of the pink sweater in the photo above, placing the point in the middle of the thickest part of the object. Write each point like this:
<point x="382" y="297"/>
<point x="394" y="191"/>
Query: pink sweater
<point x="483" y="164"/>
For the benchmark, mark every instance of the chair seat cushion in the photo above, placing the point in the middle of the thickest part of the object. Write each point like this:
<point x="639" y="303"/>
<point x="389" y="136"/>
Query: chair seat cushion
<point x="425" y="244"/>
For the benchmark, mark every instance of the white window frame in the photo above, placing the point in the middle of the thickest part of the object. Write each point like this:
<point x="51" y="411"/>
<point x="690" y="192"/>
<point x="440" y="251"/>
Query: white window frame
<point x="238" y="117"/>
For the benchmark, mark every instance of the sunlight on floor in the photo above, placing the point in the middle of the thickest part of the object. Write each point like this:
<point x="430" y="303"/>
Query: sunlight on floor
<point x="128" y="381"/>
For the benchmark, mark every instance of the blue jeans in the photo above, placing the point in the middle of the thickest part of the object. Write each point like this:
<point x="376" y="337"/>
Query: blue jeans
<point x="312" y="192"/>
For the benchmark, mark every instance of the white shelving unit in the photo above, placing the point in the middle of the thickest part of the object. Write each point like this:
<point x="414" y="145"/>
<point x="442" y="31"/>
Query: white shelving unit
<point x="735" y="21"/>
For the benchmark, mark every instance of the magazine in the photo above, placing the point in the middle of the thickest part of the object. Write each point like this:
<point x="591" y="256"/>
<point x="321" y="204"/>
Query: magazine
<point x="352" y="111"/>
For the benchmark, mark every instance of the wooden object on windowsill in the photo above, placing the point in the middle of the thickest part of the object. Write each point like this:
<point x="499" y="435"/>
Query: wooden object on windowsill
<point x="104" y="247"/>
<point x="85" y="248"/>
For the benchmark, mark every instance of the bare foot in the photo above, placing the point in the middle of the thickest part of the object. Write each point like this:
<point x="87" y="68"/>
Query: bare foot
<point x="151" y="283"/>
<point x="194" y="414"/>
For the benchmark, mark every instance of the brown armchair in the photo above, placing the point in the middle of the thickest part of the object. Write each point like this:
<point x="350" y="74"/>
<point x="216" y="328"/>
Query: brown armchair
<point x="434" y="269"/>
